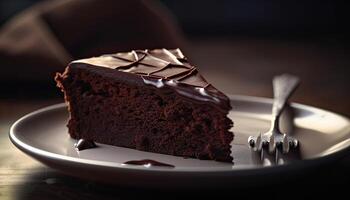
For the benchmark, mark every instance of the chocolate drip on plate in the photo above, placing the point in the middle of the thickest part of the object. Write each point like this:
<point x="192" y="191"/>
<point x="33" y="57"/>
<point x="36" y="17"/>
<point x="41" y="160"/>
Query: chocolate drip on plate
<point x="83" y="144"/>
<point x="148" y="163"/>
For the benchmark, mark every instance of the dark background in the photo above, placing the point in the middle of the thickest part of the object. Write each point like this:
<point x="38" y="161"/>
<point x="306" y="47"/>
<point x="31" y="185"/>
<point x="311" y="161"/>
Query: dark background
<point x="240" y="45"/>
<point x="270" y="18"/>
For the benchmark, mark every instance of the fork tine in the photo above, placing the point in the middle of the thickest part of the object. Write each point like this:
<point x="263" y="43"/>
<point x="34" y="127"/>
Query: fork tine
<point x="285" y="144"/>
<point x="272" y="145"/>
<point x="267" y="159"/>
<point x="294" y="143"/>
<point x="252" y="142"/>
<point x="259" y="142"/>
<point x="291" y="156"/>
<point x="280" y="160"/>
<point x="264" y="158"/>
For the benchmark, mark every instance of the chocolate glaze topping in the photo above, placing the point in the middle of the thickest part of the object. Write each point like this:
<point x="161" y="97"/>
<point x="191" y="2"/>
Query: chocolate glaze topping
<point x="148" y="162"/>
<point x="83" y="144"/>
<point x="164" y="68"/>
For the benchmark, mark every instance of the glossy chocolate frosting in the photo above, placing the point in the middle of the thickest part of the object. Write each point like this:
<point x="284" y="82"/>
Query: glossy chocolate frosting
<point x="164" y="68"/>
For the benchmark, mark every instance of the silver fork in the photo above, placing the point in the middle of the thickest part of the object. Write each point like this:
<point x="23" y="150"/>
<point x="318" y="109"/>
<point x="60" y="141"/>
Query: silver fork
<point x="283" y="87"/>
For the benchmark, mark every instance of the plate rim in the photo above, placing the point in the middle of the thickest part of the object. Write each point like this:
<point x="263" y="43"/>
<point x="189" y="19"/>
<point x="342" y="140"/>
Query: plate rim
<point x="40" y="154"/>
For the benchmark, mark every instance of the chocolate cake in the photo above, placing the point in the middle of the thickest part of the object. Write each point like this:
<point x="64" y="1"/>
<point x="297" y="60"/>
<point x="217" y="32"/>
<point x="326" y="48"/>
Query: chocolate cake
<point x="149" y="100"/>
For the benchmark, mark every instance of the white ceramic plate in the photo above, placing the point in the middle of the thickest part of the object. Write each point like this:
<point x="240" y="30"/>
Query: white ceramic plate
<point x="324" y="136"/>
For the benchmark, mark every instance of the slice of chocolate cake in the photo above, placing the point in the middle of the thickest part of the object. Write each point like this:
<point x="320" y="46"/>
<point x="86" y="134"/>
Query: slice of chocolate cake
<point x="150" y="100"/>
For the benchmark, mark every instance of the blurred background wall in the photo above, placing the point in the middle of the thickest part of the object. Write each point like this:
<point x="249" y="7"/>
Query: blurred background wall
<point x="239" y="45"/>
<point x="242" y="17"/>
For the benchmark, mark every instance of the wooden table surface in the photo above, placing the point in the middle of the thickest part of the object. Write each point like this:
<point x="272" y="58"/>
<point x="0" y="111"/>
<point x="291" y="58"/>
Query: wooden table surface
<point x="236" y="67"/>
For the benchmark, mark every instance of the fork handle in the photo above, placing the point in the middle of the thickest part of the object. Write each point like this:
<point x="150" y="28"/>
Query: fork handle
<point x="283" y="87"/>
